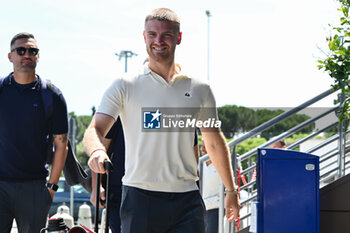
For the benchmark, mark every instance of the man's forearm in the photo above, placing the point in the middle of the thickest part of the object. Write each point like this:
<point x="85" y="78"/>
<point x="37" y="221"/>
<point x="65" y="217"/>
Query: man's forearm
<point x="92" y="141"/>
<point x="222" y="163"/>
<point x="59" y="158"/>
<point x="220" y="156"/>
<point x="95" y="133"/>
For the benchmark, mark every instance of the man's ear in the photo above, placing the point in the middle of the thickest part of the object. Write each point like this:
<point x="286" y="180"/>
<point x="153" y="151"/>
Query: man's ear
<point x="9" y="55"/>
<point x="179" y="38"/>
<point x="144" y="35"/>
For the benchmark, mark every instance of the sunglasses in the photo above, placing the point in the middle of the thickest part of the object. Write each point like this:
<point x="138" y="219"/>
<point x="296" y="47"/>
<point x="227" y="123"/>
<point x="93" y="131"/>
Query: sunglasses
<point x="22" y="50"/>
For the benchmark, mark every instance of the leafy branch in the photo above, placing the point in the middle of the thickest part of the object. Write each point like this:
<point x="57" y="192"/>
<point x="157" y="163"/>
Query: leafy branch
<point x="337" y="62"/>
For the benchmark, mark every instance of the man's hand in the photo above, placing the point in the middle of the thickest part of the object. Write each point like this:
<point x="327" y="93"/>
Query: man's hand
<point x="96" y="161"/>
<point x="232" y="206"/>
<point x="52" y="193"/>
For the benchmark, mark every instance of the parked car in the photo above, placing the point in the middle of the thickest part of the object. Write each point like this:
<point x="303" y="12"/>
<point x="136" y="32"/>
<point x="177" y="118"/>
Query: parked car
<point x="62" y="195"/>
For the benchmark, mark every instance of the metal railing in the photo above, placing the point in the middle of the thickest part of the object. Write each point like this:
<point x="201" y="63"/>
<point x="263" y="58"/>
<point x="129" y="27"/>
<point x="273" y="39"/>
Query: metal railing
<point x="333" y="164"/>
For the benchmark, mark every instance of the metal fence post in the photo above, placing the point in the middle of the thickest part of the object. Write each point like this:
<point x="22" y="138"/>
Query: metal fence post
<point x="73" y="131"/>
<point x="341" y="144"/>
<point x="232" y="228"/>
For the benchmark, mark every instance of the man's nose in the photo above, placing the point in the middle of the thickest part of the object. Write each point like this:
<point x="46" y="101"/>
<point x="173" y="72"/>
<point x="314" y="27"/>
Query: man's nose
<point x="26" y="54"/>
<point x="158" y="39"/>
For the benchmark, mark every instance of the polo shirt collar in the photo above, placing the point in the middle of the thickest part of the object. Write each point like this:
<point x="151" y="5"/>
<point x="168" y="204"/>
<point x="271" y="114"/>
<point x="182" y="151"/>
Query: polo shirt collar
<point x="148" y="71"/>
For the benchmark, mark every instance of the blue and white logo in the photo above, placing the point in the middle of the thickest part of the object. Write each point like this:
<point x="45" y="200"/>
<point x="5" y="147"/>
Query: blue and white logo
<point x="152" y="120"/>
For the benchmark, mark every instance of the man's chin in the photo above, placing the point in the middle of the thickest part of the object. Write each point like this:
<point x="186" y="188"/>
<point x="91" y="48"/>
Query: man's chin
<point x="159" y="58"/>
<point x="27" y="69"/>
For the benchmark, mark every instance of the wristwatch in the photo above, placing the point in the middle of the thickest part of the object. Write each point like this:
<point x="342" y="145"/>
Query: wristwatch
<point x="54" y="187"/>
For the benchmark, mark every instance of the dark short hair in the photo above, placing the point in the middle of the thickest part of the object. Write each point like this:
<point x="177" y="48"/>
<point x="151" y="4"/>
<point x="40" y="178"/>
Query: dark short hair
<point x="282" y="142"/>
<point x="21" y="35"/>
<point x="163" y="14"/>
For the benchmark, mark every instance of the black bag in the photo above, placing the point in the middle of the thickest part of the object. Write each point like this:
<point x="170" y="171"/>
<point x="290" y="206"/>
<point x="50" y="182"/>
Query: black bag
<point x="72" y="170"/>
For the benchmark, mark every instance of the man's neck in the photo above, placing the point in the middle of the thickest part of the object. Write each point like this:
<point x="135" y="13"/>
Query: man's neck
<point x="165" y="70"/>
<point x="24" y="77"/>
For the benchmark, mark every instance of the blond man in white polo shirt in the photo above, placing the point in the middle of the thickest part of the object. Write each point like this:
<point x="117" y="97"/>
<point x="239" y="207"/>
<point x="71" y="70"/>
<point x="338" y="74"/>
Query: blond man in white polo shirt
<point x="158" y="109"/>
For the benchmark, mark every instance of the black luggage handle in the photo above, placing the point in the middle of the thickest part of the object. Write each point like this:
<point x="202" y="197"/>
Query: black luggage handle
<point x="109" y="167"/>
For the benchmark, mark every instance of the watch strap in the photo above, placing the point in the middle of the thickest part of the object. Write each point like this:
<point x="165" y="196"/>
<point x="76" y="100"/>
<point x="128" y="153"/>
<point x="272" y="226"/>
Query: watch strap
<point x="54" y="187"/>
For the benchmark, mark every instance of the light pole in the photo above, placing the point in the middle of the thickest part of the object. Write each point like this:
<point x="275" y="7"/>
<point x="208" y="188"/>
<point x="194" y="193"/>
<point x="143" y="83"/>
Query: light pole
<point x="126" y="54"/>
<point x="207" y="12"/>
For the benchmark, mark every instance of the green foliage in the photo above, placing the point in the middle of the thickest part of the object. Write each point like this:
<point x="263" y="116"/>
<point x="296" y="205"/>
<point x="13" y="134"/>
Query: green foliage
<point x="235" y="119"/>
<point x="240" y="119"/>
<point x="265" y="115"/>
<point x="295" y="137"/>
<point x="81" y="155"/>
<point x="337" y="62"/>
<point x="83" y="123"/>
<point x="249" y="144"/>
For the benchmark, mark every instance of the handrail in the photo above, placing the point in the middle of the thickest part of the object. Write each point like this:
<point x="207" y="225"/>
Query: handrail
<point x="249" y="169"/>
<point x="248" y="184"/>
<point x="249" y="199"/>
<point x="330" y="155"/>
<point x="330" y="171"/>
<point x="288" y="133"/>
<point x="279" y="118"/>
<point x="328" y="141"/>
<point x="294" y="145"/>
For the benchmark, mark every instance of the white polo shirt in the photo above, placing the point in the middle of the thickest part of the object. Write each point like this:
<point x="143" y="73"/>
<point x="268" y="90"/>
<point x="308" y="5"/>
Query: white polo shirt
<point x="157" y="160"/>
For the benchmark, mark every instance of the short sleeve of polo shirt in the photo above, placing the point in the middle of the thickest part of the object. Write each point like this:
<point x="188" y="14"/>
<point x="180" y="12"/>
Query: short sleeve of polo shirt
<point x="208" y="109"/>
<point x="59" y="115"/>
<point x="112" y="100"/>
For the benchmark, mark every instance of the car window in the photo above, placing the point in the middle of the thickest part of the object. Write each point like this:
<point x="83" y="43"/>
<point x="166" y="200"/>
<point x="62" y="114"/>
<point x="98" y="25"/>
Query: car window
<point x="60" y="186"/>
<point x="79" y="189"/>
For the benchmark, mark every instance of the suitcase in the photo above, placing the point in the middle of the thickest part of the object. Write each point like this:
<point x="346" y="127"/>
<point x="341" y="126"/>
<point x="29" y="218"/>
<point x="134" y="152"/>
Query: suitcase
<point x="109" y="168"/>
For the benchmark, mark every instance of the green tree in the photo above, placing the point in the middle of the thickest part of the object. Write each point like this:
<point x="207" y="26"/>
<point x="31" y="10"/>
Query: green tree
<point x="264" y="115"/>
<point x="235" y="119"/>
<point x="248" y="145"/>
<point x="337" y="61"/>
<point x="83" y="123"/>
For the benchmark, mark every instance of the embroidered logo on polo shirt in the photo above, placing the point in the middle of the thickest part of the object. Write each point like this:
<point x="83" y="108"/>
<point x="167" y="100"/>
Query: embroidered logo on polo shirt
<point x="35" y="105"/>
<point x="187" y="94"/>
<point x="151" y="119"/>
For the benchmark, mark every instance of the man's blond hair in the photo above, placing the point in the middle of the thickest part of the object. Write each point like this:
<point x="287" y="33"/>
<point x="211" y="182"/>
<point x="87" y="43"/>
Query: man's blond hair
<point x="163" y="14"/>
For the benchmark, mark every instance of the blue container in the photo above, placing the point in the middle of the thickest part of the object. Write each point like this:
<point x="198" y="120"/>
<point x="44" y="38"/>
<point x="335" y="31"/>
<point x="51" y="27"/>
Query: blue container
<point x="288" y="192"/>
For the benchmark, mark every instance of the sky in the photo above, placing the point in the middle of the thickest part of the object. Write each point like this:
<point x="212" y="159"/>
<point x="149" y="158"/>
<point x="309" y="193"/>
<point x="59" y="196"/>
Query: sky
<point x="262" y="53"/>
